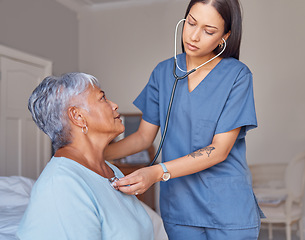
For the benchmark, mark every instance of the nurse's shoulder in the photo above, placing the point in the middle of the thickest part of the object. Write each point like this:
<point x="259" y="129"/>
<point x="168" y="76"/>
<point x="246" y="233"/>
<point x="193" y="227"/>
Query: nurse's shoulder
<point x="236" y="65"/>
<point x="167" y="64"/>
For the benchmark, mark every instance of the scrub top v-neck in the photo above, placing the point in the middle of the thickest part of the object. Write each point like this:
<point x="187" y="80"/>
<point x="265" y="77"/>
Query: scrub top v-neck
<point x="221" y="102"/>
<point x="202" y="80"/>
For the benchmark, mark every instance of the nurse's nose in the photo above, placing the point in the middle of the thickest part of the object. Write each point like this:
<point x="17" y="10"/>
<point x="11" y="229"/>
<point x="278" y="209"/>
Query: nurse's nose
<point x="195" y="35"/>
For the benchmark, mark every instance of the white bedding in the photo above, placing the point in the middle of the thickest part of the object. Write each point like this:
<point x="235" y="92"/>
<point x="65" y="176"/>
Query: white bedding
<point x="14" y="196"/>
<point x="9" y="220"/>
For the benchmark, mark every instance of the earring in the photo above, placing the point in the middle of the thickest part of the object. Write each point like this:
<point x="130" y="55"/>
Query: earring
<point x="220" y="45"/>
<point x="85" y="129"/>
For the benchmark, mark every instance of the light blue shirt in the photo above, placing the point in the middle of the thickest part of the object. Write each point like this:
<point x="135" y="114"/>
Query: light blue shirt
<point x="221" y="196"/>
<point x="69" y="201"/>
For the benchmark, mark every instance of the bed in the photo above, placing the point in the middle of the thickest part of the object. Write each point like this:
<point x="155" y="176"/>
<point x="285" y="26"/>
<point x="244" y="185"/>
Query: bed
<point x="14" y="196"/>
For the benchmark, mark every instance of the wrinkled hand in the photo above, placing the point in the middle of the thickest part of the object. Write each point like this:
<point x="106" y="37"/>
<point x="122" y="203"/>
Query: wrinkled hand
<point x="139" y="181"/>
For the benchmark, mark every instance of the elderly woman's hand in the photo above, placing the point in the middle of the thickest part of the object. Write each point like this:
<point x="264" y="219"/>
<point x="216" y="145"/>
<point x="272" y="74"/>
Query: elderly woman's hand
<point x="140" y="180"/>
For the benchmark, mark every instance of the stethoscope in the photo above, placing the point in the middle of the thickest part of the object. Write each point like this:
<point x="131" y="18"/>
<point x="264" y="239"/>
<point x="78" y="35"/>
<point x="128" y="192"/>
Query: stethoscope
<point x="177" y="78"/>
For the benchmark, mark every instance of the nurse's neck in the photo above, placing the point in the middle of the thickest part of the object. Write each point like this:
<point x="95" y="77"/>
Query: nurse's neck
<point x="193" y="62"/>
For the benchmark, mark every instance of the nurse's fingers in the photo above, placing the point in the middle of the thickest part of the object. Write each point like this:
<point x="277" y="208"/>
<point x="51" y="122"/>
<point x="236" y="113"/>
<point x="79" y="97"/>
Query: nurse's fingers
<point x="131" y="190"/>
<point x="128" y="180"/>
<point x="140" y="180"/>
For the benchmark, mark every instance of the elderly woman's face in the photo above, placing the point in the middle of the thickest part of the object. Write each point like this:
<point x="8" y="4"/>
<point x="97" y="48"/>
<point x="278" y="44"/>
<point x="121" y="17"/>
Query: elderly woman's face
<point x="102" y="116"/>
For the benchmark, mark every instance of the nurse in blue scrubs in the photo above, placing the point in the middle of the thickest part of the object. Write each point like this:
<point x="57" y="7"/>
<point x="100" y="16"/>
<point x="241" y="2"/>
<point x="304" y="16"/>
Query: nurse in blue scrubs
<point x="205" y="190"/>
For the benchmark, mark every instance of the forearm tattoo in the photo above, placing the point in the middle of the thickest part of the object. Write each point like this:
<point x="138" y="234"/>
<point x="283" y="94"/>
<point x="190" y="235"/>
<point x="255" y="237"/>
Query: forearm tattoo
<point x="200" y="152"/>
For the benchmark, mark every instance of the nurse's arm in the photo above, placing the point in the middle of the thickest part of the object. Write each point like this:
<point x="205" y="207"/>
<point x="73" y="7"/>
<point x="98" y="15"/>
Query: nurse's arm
<point x="136" y="142"/>
<point x="206" y="157"/>
<point x="140" y="180"/>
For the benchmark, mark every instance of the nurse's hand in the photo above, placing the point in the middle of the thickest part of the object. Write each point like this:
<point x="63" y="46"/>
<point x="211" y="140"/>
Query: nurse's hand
<point x="140" y="180"/>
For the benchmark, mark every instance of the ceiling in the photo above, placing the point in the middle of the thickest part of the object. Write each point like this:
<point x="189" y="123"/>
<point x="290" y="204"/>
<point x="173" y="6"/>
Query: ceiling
<point x="80" y="5"/>
<point x="94" y="2"/>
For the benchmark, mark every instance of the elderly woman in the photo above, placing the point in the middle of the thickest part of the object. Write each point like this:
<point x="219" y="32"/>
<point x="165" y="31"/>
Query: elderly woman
<point x="73" y="198"/>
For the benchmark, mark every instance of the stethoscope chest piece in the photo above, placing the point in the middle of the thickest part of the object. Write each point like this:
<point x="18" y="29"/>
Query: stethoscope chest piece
<point x="112" y="181"/>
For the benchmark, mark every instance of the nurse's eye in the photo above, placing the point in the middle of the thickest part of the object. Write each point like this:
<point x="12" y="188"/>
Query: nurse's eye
<point x="191" y="23"/>
<point x="208" y="32"/>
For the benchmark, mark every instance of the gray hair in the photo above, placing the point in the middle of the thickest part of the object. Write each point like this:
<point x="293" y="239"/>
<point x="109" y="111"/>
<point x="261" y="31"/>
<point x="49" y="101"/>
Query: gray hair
<point x="50" y="100"/>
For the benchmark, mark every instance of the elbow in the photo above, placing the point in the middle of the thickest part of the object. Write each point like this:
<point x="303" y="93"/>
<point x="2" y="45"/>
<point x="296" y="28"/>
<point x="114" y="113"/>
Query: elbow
<point x="222" y="154"/>
<point x="144" y="141"/>
<point x="141" y="141"/>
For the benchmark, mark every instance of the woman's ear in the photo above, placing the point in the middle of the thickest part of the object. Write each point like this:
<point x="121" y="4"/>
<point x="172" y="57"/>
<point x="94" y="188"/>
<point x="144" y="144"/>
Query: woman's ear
<point x="227" y="35"/>
<point x="76" y="117"/>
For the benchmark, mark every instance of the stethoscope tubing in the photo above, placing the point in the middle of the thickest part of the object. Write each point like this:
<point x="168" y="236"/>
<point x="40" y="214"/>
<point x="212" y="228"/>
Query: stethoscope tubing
<point x="169" y="110"/>
<point x="177" y="78"/>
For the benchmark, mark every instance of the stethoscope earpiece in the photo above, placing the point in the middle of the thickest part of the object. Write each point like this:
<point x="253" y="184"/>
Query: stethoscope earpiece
<point x="224" y="42"/>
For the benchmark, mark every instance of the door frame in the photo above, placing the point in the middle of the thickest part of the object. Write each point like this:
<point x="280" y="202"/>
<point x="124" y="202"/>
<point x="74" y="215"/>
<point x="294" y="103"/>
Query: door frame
<point x="25" y="57"/>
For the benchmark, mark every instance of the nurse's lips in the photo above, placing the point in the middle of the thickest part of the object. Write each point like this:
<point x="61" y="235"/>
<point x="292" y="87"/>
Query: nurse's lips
<point x="118" y="117"/>
<point x="191" y="47"/>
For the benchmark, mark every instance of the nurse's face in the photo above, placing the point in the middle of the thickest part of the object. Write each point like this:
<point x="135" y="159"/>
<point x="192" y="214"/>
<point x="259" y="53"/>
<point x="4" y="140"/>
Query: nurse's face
<point x="203" y="30"/>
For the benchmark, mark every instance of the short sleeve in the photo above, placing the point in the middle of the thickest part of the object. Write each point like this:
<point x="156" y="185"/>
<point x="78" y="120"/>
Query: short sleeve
<point x="239" y="110"/>
<point x="68" y="213"/>
<point x="148" y="100"/>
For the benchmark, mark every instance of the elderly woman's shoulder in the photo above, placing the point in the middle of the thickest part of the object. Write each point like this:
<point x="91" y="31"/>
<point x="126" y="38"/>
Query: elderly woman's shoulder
<point x="59" y="170"/>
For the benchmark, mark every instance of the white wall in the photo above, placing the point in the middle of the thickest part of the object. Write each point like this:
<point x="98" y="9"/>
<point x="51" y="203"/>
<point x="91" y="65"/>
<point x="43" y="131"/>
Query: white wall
<point x="273" y="46"/>
<point x="43" y="28"/>
<point x="122" y="45"/>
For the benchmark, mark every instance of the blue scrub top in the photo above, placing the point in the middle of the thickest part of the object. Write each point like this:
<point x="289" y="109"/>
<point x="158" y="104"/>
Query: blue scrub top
<point x="221" y="196"/>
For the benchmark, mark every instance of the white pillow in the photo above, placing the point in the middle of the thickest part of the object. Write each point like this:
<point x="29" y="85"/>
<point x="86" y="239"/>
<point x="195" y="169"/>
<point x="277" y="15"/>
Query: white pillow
<point x="15" y="190"/>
